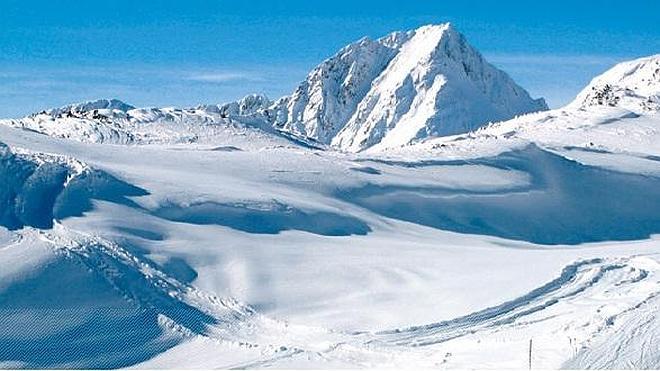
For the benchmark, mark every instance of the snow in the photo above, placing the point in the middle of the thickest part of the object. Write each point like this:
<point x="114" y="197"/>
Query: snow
<point x="85" y="107"/>
<point x="402" y="87"/>
<point x="201" y="125"/>
<point x="324" y="102"/>
<point x="436" y="85"/>
<point x="634" y="85"/>
<point x="205" y="238"/>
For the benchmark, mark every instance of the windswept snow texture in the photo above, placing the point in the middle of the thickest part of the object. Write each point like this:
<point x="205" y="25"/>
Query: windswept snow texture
<point x="565" y="203"/>
<point x="264" y="218"/>
<point x="222" y="242"/>
<point x="28" y="190"/>
<point x="66" y="314"/>
<point x="36" y="190"/>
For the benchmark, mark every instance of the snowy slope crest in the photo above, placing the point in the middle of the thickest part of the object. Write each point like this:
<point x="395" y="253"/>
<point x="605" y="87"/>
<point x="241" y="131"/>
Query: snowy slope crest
<point x="633" y="85"/>
<point x="115" y="122"/>
<point x="248" y="105"/>
<point x="402" y="87"/>
<point x="83" y="109"/>
<point x="31" y="184"/>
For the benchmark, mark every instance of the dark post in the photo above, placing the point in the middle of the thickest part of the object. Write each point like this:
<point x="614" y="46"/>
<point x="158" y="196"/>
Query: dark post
<point x="530" y="353"/>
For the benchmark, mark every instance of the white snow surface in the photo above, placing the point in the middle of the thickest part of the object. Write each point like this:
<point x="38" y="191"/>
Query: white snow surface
<point x="249" y="248"/>
<point x="402" y="87"/>
<point x="102" y="122"/>
<point x="436" y="85"/>
<point x="634" y="85"/>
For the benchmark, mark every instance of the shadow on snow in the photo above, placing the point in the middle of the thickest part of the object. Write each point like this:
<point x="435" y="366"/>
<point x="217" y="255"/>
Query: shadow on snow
<point x="264" y="218"/>
<point x="566" y="202"/>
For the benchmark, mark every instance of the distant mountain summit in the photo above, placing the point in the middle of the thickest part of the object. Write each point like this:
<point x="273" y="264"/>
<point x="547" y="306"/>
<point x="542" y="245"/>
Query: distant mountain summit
<point x="634" y="85"/>
<point x="90" y="106"/>
<point x="399" y="88"/>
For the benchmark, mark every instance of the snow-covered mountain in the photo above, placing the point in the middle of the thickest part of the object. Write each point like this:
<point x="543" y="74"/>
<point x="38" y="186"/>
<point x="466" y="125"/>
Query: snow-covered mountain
<point x="402" y="87"/>
<point x="391" y="91"/>
<point x="321" y="105"/>
<point x="246" y="106"/>
<point x="616" y="116"/>
<point x="634" y="85"/>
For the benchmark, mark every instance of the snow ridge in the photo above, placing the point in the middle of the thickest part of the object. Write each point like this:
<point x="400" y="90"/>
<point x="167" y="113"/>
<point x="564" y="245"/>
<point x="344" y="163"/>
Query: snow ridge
<point x="325" y="101"/>
<point x="78" y="109"/>
<point x="633" y="85"/>
<point x="115" y="122"/>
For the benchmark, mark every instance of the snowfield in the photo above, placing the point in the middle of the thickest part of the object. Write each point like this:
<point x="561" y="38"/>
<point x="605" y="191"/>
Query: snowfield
<point x="248" y="235"/>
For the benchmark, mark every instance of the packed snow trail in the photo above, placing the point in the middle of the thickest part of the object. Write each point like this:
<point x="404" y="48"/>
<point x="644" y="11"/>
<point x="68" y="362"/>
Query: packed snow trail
<point x="580" y="304"/>
<point x="574" y="280"/>
<point x="589" y="301"/>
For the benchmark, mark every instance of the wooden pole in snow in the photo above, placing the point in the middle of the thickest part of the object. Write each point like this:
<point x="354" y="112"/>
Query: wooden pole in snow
<point x="530" y="353"/>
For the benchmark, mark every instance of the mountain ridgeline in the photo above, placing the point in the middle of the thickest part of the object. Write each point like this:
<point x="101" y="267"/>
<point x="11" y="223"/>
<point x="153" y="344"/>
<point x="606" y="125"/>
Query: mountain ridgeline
<point x="383" y="93"/>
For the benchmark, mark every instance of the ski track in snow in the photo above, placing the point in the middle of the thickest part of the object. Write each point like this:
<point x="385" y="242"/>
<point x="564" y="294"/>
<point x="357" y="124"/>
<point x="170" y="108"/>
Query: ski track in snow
<point x="193" y="313"/>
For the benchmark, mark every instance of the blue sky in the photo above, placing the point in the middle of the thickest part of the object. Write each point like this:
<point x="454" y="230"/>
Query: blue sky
<point x="181" y="53"/>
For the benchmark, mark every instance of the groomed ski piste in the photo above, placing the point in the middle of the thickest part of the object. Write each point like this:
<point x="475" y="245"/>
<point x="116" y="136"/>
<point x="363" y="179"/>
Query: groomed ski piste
<point x="220" y="237"/>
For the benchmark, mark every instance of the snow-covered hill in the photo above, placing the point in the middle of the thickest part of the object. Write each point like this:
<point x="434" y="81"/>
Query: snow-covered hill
<point x="634" y="85"/>
<point x="101" y="106"/>
<point x="115" y="122"/>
